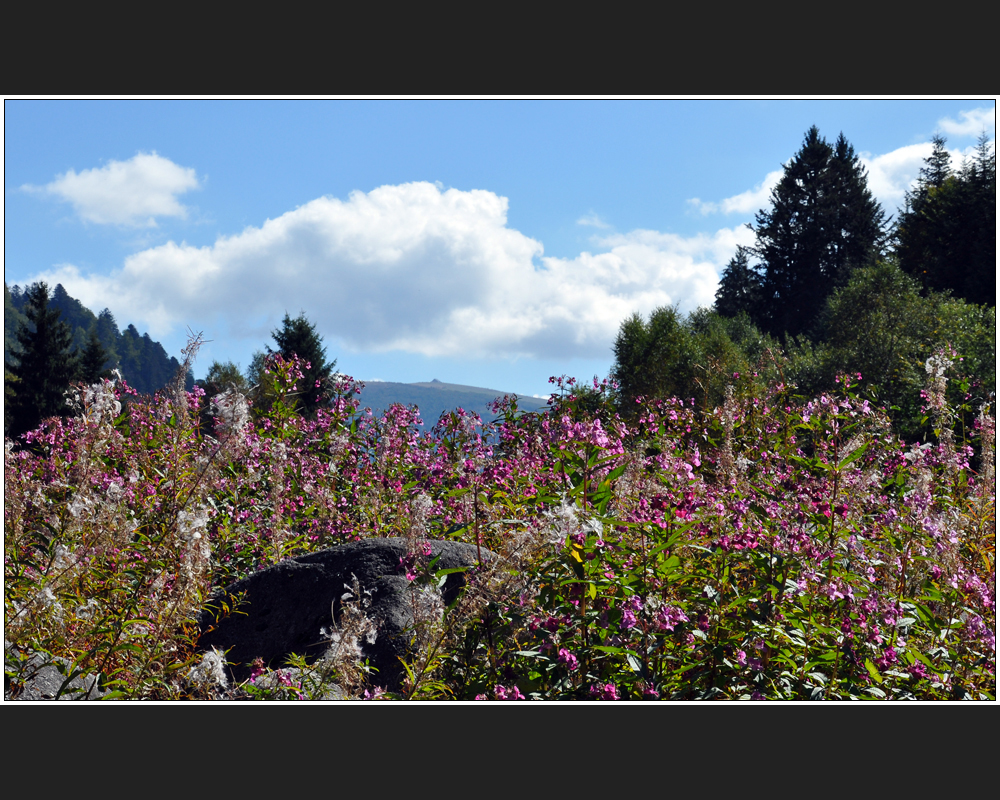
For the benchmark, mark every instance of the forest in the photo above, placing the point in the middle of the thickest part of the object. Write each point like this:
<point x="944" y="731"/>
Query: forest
<point x="787" y="496"/>
<point x="75" y="345"/>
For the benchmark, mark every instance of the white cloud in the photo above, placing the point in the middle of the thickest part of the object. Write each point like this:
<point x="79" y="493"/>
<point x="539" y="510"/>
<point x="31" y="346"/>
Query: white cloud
<point x="411" y="268"/>
<point x="593" y="220"/>
<point x="746" y="202"/>
<point x="972" y="123"/>
<point x="890" y="175"/>
<point x="132" y="193"/>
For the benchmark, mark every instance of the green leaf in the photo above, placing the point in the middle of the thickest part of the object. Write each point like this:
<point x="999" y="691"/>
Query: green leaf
<point x="614" y="475"/>
<point x="450" y="571"/>
<point x="854" y="455"/>
<point x="873" y="671"/>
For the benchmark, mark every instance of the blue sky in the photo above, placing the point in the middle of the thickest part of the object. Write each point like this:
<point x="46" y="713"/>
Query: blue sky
<point x="484" y="242"/>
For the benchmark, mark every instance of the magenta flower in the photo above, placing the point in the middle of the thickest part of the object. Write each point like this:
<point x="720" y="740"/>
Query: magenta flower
<point x="503" y="693"/>
<point x="669" y="616"/>
<point x="606" y="692"/>
<point x="567" y="658"/>
<point x="918" y="670"/>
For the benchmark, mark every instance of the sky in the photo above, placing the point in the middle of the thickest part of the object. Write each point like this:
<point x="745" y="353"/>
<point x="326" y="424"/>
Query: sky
<point x="486" y="242"/>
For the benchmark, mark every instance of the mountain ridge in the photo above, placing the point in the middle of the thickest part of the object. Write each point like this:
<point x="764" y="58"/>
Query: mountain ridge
<point x="433" y="398"/>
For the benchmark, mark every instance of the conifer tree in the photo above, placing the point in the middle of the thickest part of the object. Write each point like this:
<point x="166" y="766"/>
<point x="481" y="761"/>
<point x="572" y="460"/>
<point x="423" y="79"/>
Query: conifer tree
<point x="44" y="365"/>
<point x="946" y="235"/>
<point x="12" y="318"/>
<point x="937" y="166"/>
<point x="9" y="396"/>
<point x="108" y="334"/>
<point x="92" y="361"/>
<point x="823" y="224"/>
<point x="298" y="336"/>
<point x="740" y="286"/>
<point x="979" y="211"/>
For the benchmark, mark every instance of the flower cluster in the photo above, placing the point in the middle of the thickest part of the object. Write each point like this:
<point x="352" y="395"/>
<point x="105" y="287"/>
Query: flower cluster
<point x="776" y="547"/>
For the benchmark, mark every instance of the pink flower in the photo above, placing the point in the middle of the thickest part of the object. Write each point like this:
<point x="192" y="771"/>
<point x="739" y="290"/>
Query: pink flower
<point x="567" y="658"/>
<point x="506" y="694"/>
<point x="918" y="670"/>
<point x="607" y="692"/>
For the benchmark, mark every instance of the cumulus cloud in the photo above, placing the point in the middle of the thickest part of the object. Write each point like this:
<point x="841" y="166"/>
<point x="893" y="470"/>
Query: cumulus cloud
<point x="970" y="123"/>
<point x="890" y="175"/>
<point x="746" y="202"/>
<point x="130" y="193"/>
<point x="412" y="268"/>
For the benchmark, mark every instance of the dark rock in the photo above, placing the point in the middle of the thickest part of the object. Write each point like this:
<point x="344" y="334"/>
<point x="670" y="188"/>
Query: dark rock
<point x="286" y="606"/>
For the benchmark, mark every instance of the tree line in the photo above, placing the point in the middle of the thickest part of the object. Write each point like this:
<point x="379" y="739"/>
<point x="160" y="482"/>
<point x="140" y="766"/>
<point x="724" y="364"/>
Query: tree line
<point x="830" y="286"/>
<point x="52" y="340"/>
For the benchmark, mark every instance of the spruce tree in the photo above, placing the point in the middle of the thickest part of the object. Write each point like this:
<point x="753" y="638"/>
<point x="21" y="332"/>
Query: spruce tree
<point x="740" y="286"/>
<point x="12" y="319"/>
<point x="823" y="224"/>
<point x="858" y="235"/>
<point x="45" y="366"/>
<point x="109" y="335"/>
<point x="937" y="166"/>
<point x="978" y="283"/>
<point x="298" y="336"/>
<point x="92" y="361"/>
<point x="946" y="234"/>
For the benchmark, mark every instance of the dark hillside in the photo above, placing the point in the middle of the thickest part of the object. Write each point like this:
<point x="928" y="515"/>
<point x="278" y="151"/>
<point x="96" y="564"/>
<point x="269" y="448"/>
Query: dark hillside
<point x="144" y="363"/>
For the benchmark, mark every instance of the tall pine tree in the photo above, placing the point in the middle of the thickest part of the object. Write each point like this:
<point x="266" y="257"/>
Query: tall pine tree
<point x="298" y="336"/>
<point x="93" y="359"/>
<point x="740" y="286"/>
<point x="979" y="178"/>
<point x="44" y="366"/>
<point x="946" y="234"/>
<point x="823" y="224"/>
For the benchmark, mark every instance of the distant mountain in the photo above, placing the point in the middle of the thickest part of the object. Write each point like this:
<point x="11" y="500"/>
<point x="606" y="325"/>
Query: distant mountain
<point x="433" y="398"/>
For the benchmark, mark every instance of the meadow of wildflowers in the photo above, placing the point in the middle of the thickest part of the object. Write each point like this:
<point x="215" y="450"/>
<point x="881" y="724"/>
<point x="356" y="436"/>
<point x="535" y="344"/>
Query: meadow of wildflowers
<point x="775" y="548"/>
